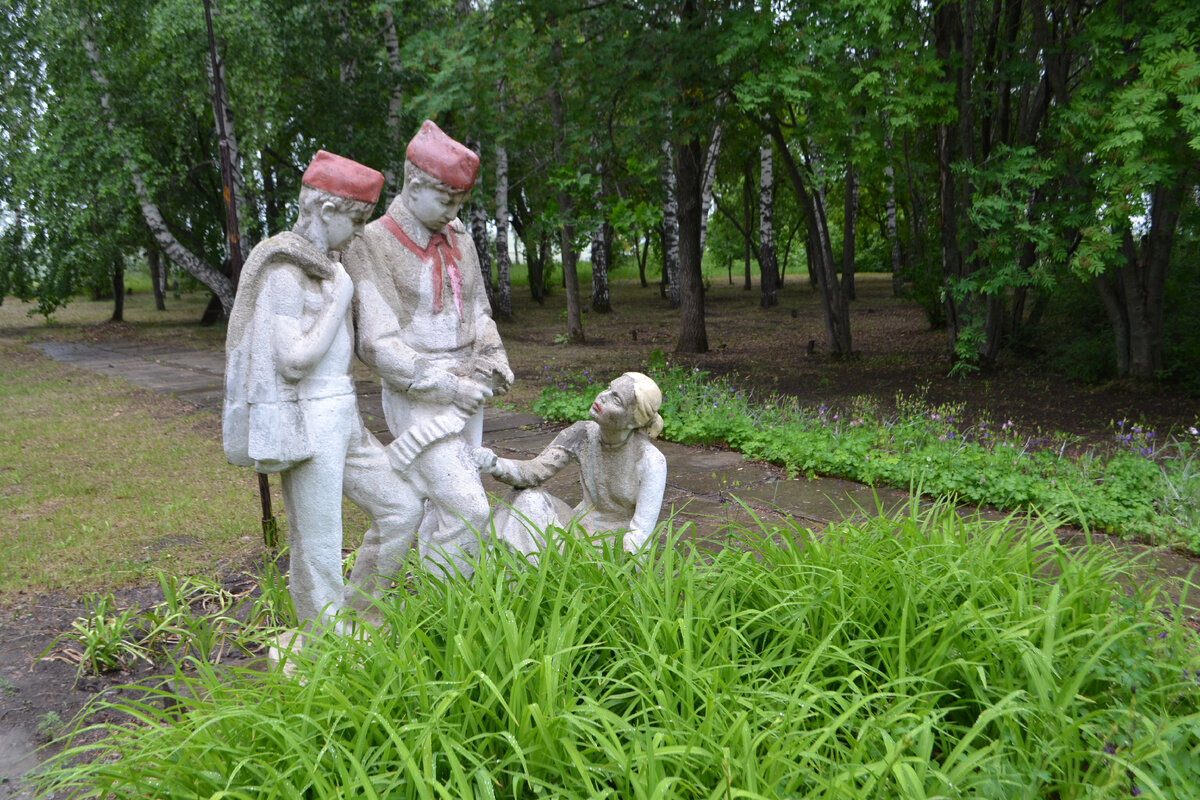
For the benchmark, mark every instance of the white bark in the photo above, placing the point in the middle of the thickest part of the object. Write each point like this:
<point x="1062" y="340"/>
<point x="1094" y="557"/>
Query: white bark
<point x="393" y="172"/>
<point x="503" y="262"/>
<point x="478" y="219"/>
<point x="766" y="195"/>
<point x="220" y="285"/>
<point x="670" y="228"/>
<point x="893" y="234"/>
<point x="767" y="261"/>
<point x="706" y="188"/>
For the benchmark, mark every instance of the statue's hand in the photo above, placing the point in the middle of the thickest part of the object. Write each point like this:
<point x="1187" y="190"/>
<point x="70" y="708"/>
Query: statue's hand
<point x="485" y="459"/>
<point x="339" y="289"/>
<point x="502" y="378"/>
<point x="440" y="387"/>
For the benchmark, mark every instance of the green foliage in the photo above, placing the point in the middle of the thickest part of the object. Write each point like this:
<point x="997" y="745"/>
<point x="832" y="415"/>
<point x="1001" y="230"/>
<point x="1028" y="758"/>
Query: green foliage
<point x="49" y="726"/>
<point x="197" y="618"/>
<point x="104" y="636"/>
<point x="912" y="657"/>
<point x="930" y="449"/>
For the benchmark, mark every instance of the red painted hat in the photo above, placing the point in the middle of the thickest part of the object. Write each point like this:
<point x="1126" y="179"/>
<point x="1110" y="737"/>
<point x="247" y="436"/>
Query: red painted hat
<point x="445" y="159"/>
<point x="343" y="177"/>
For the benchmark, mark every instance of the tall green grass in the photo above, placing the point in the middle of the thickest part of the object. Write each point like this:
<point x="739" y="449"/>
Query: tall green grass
<point x="926" y="656"/>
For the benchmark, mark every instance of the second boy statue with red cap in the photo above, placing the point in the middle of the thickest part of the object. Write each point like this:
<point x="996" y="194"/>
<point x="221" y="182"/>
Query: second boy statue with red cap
<point x="423" y="324"/>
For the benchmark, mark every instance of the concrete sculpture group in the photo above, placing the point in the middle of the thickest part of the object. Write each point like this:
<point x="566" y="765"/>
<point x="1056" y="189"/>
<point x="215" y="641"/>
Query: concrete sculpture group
<point x="407" y="296"/>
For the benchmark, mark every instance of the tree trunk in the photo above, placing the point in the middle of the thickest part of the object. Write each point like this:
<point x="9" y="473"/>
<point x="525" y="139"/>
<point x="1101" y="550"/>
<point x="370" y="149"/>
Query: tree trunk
<point x="157" y="278"/>
<point x="393" y="171"/>
<point x="270" y="201"/>
<point x="670" y="244"/>
<point x="1134" y="291"/>
<point x="478" y="219"/>
<point x="710" y="175"/>
<point x="503" y="302"/>
<point x="747" y="223"/>
<point x="849" y="229"/>
<point x="893" y="234"/>
<point x="118" y="286"/>
<point x="767" y="263"/>
<point x="566" y="209"/>
<point x="642" y="248"/>
<point x="833" y="302"/>
<point x="948" y="35"/>
<point x="693" y="338"/>
<point x="601" y="242"/>
<point x="247" y="215"/>
<point x="536" y="258"/>
<point x="220" y="285"/>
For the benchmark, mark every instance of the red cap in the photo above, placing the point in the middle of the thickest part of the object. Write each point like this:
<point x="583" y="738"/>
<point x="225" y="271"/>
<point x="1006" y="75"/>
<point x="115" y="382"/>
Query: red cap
<point x="445" y="159"/>
<point x="343" y="177"/>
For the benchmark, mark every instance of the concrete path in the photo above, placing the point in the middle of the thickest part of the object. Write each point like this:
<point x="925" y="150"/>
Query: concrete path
<point x="705" y="486"/>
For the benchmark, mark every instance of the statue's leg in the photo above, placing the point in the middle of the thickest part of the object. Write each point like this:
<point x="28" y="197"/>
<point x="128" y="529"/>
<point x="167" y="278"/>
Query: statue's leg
<point x="312" y="495"/>
<point x="458" y="504"/>
<point x="523" y="517"/>
<point x="394" y="506"/>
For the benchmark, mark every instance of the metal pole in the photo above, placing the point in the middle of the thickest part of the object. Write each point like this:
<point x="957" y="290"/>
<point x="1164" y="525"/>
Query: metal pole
<point x="269" y="526"/>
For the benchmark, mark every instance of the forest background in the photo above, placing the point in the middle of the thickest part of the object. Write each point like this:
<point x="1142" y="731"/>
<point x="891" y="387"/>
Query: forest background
<point x="1001" y="159"/>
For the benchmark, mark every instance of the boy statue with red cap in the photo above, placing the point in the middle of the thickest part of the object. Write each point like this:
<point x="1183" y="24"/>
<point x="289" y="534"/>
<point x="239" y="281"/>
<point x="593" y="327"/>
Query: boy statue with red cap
<point x="290" y="403"/>
<point x="423" y="324"/>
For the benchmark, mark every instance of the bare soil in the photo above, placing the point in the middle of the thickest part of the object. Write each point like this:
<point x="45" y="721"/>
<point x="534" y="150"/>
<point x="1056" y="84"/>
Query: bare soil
<point x="781" y="350"/>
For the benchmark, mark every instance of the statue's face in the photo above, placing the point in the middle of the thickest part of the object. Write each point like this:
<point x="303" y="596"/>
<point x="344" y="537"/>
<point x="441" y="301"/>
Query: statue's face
<point x="341" y="227"/>
<point x="615" y="405"/>
<point x="434" y="206"/>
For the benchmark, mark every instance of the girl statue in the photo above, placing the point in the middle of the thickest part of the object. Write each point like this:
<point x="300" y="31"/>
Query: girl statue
<point x="621" y="472"/>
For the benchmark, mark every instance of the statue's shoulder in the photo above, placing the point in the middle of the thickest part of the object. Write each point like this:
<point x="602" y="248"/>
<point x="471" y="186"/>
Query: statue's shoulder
<point x="457" y="226"/>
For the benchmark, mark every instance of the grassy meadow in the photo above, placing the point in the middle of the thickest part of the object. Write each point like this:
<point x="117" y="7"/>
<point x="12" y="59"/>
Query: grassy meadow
<point x="103" y="483"/>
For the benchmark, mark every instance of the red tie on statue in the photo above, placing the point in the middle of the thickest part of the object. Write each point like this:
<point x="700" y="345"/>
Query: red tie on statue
<point x="442" y="250"/>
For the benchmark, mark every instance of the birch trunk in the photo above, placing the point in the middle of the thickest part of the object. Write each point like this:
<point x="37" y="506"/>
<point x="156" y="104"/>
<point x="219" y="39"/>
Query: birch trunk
<point x="670" y="274"/>
<point x="157" y="278"/>
<point x="478" y="220"/>
<point x="393" y="172"/>
<point x="893" y="234"/>
<point x="503" y="302"/>
<point x="601" y="301"/>
<point x="706" y="191"/>
<point x="601" y="245"/>
<point x="849" y="228"/>
<point x="219" y="284"/>
<point x="768" y="264"/>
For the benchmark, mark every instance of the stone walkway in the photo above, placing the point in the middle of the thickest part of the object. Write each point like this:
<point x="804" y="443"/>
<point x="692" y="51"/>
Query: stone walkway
<point x="705" y="486"/>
